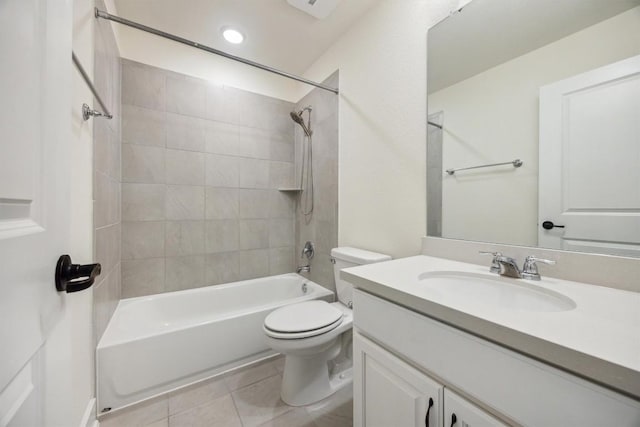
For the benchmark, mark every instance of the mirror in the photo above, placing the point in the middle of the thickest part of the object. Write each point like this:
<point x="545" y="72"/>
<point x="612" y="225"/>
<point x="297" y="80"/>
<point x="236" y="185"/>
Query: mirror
<point x="534" y="125"/>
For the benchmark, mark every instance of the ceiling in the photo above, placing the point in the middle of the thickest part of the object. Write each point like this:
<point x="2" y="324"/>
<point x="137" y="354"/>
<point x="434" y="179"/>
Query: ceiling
<point x="277" y="34"/>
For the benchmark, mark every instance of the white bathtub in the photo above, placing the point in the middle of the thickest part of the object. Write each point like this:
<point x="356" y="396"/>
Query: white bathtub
<point x="158" y="343"/>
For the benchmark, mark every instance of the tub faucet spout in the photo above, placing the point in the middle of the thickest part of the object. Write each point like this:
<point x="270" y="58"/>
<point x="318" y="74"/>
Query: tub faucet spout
<point x="304" y="269"/>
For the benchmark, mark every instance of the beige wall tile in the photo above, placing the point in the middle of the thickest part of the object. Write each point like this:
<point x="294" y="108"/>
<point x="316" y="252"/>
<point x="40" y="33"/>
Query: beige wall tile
<point x="142" y="164"/>
<point x="281" y="174"/>
<point x="254" y="173"/>
<point x="222" y="235"/>
<point x="143" y="86"/>
<point x="253" y="204"/>
<point x="143" y="126"/>
<point x="185" y="133"/>
<point x="184" y="238"/>
<point x="184" y="202"/>
<point x="184" y="167"/>
<point x="185" y="95"/>
<point x="281" y="260"/>
<point x="221" y="138"/>
<point x="281" y="233"/>
<point x="143" y="202"/>
<point x="282" y="204"/>
<point x="253" y="263"/>
<point x="184" y="272"/>
<point x="222" y="171"/>
<point x="142" y="239"/>
<point x="254" y="234"/>
<point x="221" y="203"/>
<point x="221" y="268"/>
<point x="142" y="277"/>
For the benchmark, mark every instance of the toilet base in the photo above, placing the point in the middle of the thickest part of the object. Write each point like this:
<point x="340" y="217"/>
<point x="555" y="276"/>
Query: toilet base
<point x="307" y="380"/>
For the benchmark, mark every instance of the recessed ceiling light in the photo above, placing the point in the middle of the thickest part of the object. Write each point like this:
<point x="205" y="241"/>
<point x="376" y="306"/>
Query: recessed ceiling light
<point x="232" y="36"/>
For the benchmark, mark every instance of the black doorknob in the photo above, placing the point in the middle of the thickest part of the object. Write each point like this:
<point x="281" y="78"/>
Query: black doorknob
<point x="548" y="225"/>
<point x="74" y="277"/>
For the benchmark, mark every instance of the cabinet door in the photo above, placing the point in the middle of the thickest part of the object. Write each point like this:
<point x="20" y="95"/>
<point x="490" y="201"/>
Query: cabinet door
<point x="389" y="392"/>
<point x="459" y="412"/>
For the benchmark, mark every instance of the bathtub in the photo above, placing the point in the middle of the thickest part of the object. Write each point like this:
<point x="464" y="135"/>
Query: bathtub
<point x="159" y="343"/>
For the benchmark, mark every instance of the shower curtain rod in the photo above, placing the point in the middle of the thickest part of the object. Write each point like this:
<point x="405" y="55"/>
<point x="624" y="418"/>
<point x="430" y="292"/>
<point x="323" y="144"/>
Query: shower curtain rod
<point x="119" y="20"/>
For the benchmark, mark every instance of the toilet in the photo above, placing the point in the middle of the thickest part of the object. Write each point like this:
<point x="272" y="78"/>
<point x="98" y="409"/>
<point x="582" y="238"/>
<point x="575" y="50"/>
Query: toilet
<point x="315" y="336"/>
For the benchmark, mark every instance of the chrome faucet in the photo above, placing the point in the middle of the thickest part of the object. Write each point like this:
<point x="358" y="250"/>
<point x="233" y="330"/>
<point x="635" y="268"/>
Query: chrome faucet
<point x="508" y="267"/>
<point x="530" y="269"/>
<point x="495" y="267"/>
<point x="308" y="251"/>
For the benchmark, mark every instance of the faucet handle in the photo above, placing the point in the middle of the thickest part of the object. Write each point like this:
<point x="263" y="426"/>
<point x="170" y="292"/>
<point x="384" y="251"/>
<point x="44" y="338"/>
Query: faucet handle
<point x="495" y="266"/>
<point x="530" y="268"/>
<point x="308" y="250"/>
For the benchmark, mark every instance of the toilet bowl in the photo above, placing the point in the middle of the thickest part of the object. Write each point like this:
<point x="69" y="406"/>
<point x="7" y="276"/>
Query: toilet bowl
<point x="315" y="337"/>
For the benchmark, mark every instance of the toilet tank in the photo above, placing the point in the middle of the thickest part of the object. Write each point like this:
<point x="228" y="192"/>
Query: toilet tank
<point x="345" y="257"/>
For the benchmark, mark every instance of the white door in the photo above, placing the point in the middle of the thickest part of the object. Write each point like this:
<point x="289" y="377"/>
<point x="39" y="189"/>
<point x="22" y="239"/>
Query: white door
<point x="389" y="392"/>
<point x="590" y="161"/>
<point x="459" y="412"/>
<point x="35" y="88"/>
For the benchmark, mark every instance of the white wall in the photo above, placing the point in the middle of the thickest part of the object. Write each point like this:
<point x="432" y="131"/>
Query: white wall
<point x="493" y="117"/>
<point x="382" y="62"/>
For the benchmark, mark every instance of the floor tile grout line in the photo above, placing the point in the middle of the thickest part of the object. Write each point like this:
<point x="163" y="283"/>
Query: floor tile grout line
<point x="235" y="406"/>
<point x="254" y="382"/>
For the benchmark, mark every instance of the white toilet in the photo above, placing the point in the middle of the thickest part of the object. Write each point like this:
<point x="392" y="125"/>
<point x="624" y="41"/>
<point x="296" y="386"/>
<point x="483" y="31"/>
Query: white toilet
<point x="315" y="336"/>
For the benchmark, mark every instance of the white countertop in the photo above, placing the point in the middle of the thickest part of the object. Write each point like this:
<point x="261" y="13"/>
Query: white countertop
<point x="599" y="339"/>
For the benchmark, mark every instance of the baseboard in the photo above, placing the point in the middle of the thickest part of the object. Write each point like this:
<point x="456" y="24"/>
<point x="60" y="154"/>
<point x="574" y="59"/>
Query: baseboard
<point x="89" y="417"/>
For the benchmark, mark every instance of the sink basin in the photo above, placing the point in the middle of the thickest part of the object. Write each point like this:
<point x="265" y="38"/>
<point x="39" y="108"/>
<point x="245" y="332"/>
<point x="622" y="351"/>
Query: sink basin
<point x="495" y="291"/>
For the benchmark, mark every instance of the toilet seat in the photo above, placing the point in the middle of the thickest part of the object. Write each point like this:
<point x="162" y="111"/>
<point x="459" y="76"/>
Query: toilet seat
<point x="302" y="320"/>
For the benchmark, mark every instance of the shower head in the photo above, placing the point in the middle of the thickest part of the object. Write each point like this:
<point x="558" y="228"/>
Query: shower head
<point x="297" y="117"/>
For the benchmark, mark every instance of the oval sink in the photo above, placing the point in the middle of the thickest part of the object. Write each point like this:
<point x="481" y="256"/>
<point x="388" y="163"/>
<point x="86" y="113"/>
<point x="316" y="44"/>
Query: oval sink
<point x="494" y="291"/>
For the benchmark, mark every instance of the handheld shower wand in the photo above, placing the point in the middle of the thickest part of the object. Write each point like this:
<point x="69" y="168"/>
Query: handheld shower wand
<point x="306" y="166"/>
<point x="297" y="117"/>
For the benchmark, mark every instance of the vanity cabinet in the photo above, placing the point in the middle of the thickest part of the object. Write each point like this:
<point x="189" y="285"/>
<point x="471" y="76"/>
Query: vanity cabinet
<point x="459" y="412"/>
<point x="403" y="358"/>
<point x="390" y="392"/>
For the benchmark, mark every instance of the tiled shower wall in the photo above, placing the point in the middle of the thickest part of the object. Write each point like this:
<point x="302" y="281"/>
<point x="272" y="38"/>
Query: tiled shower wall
<point x="201" y="165"/>
<point x="321" y="227"/>
<point x="106" y="182"/>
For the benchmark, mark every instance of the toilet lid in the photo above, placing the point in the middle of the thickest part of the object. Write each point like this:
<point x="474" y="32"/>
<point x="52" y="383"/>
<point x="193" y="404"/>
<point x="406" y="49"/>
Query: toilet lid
<point x="303" y="317"/>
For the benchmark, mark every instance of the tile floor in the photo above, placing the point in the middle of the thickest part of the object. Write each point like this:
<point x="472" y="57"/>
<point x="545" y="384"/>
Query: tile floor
<point x="245" y="398"/>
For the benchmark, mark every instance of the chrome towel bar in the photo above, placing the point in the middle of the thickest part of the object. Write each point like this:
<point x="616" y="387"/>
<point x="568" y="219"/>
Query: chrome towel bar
<point x="516" y="164"/>
<point x="87" y="112"/>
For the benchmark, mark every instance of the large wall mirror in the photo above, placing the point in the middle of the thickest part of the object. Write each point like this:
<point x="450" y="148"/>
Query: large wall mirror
<point x="534" y="125"/>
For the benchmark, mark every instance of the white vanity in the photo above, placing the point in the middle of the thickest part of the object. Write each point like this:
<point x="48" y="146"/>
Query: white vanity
<point x="445" y="343"/>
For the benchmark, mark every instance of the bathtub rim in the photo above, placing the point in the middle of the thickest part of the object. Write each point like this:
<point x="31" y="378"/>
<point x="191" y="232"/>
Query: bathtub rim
<point x="107" y="341"/>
